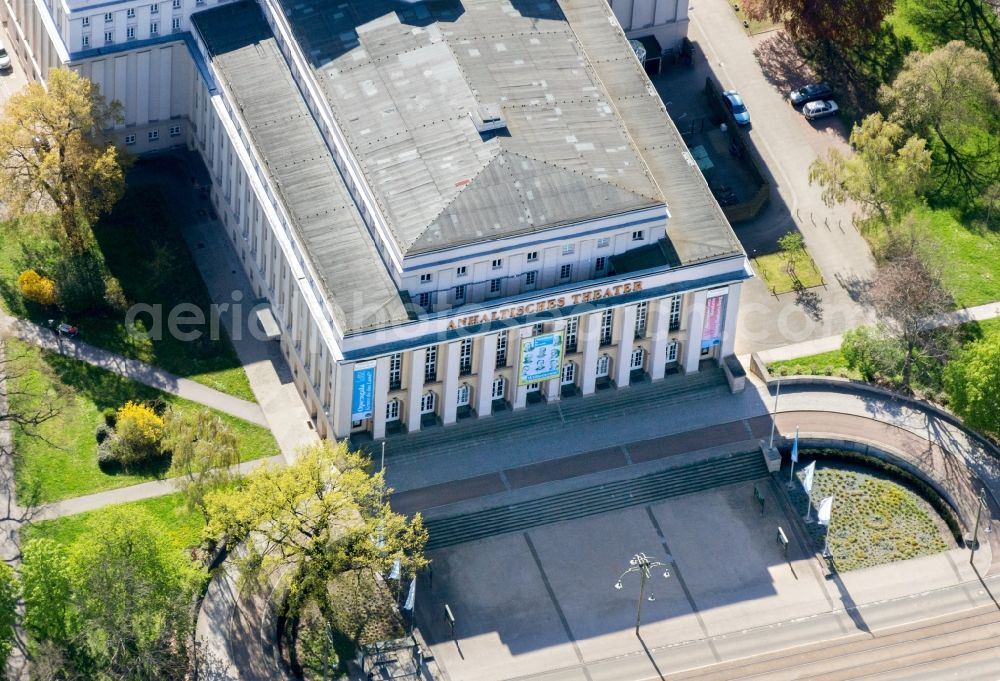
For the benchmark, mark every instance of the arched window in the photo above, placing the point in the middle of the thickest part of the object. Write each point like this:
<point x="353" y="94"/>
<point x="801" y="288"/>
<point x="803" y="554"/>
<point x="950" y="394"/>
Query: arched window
<point x="499" y="387"/>
<point x="636" y="360"/>
<point x="427" y="403"/>
<point x="672" y="348"/>
<point x="464" y="395"/>
<point x="569" y="373"/>
<point x="392" y="410"/>
<point x="603" y="366"/>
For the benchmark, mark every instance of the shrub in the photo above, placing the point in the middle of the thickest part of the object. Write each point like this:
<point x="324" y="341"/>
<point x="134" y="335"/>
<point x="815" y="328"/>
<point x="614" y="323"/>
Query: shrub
<point x="110" y="417"/>
<point x="138" y="433"/>
<point x="114" y="295"/>
<point x="106" y="453"/>
<point x="872" y="354"/>
<point x="36" y="288"/>
<point x="80" y="280"/>
<point x="102" y="433"/>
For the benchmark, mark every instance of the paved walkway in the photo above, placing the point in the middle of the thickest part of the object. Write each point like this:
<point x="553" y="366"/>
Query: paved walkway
<point x="815" y="346"/>
<point x="132" y="369"/>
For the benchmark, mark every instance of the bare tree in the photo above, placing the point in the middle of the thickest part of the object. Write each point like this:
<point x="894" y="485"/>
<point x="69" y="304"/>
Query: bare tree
<point x="910" y="300"/>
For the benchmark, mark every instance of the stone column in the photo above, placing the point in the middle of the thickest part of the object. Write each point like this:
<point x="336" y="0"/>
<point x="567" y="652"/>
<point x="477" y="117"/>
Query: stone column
<point x="487" y="369"/>
<point x="731" y="314"/>
<point x="696" y="321"/>
<point x="450" y="383"/>
<point x="626" y="340"/>
<point x="660" y="324"/>
<point x="415" y="389"/>
<point x="342" y="400"/>
<point x="589" y="335"/>
<point x="552" y="386"/>
<point x="514" y="346"/>
<point x="381" y="397"/>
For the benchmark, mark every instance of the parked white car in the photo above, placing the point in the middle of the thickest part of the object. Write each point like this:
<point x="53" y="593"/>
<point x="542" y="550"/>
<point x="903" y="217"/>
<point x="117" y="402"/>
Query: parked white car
<point x="820" y="109"/>
<point x="5" y="63"/>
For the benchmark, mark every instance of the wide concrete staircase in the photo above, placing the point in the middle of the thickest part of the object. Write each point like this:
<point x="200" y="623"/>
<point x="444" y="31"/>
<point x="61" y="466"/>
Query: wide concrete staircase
<point x="579" y="503"/>
<point x="541" y="419"/>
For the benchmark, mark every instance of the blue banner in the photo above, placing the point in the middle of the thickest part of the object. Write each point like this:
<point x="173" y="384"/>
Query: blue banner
<point x="363" y="394"/>
<point x="541" y="358"/>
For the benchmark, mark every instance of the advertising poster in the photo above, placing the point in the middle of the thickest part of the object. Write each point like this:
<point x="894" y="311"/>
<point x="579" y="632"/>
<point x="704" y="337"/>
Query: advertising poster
<point x="715" y="309"/>
<point x="541" y="358"/>
<point x="363" y="393"/>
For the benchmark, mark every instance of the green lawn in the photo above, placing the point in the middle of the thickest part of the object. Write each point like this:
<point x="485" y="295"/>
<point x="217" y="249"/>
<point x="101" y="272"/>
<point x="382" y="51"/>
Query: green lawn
<point x="970" y="259"/>
<point x="62" y="461"/>
<point x="773" y="269"/>
<point x="830" y="363"/>
<point x="143" y="248"/>
<point x="181" y="526"/>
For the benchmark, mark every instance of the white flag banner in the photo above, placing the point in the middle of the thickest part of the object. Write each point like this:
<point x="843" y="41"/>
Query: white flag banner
<point x="394" y="573"/>
<point x="807" y="479"/>
<point x="411" y="596"/>
<point x="825" y="511"/>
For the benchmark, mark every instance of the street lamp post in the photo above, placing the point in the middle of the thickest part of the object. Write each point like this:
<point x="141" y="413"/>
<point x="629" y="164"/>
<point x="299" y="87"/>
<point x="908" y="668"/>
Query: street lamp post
<point x="642" y="564"/>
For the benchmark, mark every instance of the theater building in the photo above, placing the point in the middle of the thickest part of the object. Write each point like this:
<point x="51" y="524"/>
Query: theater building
<point x="449" y="208"/>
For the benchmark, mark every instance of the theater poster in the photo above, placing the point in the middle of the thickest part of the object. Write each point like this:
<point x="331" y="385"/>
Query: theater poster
<point x="541" y="358"/>
<point x="715" y="318"/>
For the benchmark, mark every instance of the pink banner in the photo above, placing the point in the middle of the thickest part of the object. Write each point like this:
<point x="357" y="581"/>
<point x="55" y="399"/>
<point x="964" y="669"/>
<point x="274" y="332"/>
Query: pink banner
<point x="711" y="333"/>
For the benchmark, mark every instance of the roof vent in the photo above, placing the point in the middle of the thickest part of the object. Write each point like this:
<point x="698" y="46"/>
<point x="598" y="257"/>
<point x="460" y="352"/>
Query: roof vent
<point x="488" y="117"/>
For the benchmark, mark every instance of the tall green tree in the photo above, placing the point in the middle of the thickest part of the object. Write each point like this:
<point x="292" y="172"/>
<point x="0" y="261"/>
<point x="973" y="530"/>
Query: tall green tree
<point x="8" y="611"/>
<point x="203" y="449"/>
<point x="843" y="22"/>
<point x="322" y="516"/>
<point x="972" y="381"/>
<point x="53" y="153"/>
<point x="886" y="175"/>
<point x="950" y="98"/>
<point x="976" y="22"/>
<point x="46" y="591"/>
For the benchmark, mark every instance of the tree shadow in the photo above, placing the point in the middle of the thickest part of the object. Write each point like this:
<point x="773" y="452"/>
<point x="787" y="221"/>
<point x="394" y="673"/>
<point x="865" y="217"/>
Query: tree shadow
<point x="783" y="65"/>
<point x="810" y="302"/>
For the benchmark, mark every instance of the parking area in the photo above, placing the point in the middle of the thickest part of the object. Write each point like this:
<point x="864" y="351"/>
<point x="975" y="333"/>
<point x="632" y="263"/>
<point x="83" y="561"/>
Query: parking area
<point x="544" y="600"/>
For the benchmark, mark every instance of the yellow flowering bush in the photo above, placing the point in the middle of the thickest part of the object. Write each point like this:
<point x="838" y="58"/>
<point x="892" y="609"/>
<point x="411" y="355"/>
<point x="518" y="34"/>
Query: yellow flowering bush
<point x="37" y="288"/>
<point x="138" y="432"/>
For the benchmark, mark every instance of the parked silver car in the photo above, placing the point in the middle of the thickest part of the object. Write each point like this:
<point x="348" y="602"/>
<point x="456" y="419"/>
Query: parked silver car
<point x="5" y="63"/>
<point x="820" y="109"/>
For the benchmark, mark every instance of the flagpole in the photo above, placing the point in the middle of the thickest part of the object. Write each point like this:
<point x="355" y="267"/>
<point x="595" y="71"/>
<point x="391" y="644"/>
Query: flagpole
<point x="774" y="414"/>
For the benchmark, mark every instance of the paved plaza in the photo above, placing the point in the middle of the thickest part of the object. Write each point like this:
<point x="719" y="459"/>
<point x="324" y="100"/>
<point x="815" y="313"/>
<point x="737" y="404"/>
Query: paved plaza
<point x="541" y="604"/>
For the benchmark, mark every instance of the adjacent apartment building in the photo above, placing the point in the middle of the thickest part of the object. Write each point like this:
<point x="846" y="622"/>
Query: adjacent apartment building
<point x="450" y="207"/>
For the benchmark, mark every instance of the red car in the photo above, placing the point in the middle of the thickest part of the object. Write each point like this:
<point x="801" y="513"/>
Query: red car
<point x="65" y="329"/>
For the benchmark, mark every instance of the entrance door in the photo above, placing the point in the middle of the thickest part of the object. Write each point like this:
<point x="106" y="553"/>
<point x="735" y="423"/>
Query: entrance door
<point x="464" y="395"/>
<point x="569" y="373"/>
<point x="603" y="366"/>
<point x="427" y="403"/>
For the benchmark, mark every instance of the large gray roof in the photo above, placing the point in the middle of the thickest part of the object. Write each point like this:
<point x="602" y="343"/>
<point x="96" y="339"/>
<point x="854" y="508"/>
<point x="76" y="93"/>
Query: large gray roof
<point x="325" y="217"/>
<point x="401" y="79"/>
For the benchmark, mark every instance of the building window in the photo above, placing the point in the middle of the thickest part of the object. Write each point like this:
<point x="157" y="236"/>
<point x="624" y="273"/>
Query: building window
<point x="496" y="285"/>
<point x="130" y="13"/>
<point x="640" y="319"/>
<point x="672" y="348"/>
<point x="565" y="272"/>
<point x="568" y="249"/>
<point x="86" y="41"/>
<point x="572" y="324"/>
<point x="465" y="356"/>
<point x="425" y="278"/>
<point x="85" y="22"/>
<point x="175" y="130"/>
<point x="129" y="140"/>
<point x="108" y="17"/>
<point x="109" y="37"/>
<point x="532" y="256"/>
<point x="427" y="403"/>
<point x="153" y="135"/>
<point x="460" y="293"/>
<point x="498" y="388"/>
<point x="569" y="373"/>
<point x="600" y="264"/>
<point x="154" y="9"/>
<point x="635" y="362"/>
<point x="603" y="366"/>
<point x="463" y="395"/>
<point x="530" y="279"/>
<point x="177" y="4"/>
<point x="392" y="410"/>
<point x="424" y="300"/>
<point x="604" y="242"/>
<point x="431" y="365"/>
<point x="638" y="235"/>
<point x="395" y="371"/>
<point x="501" y="349"/>
<point x="154" y="29"/>
<point x="705" y="352"/>
<point x="538" y="329"/>
<point x="130" y="33"/>
<point x="675" y="313"/>
<point x="461" y="271"/>
<point x="497" y="263"/>
<point x="607" y="326"/>
<point x="175" y="23"/>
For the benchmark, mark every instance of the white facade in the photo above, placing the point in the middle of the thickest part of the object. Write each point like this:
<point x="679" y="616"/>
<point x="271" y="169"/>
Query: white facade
<point x="458" y="356"/>
<point x="665" y="19"/>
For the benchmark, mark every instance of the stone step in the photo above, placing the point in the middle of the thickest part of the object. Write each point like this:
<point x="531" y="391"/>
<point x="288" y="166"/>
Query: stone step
<point x="696" y="477"/>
